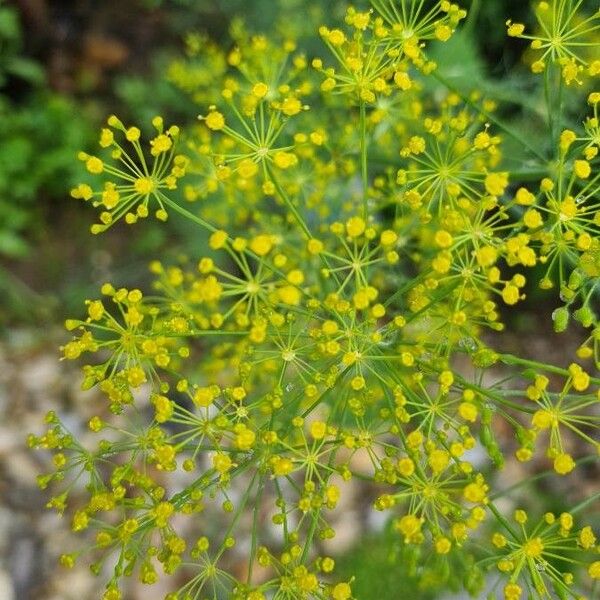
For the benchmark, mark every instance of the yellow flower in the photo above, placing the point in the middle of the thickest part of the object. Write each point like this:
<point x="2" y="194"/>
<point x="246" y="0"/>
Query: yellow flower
<point x="496" y="183"/>
<point x="446" y="379"/>
<point x="285" y="160"/>
<point x="217" y="239"/>
<point x="388" y="237"/>
<point x="409" y="526"/>
<point x="355" y="227"/>
<point x="402" y="80"/>
<point x="291" y="106"/>
<point x="144" y="186"/>
<point x="511" y="294"/>
<point x="533" y="219"/>
<point x="594" y="570"/>
<point x="579" y="378"/>
<point x="247" y="168"/>
<point x="524" y="197"/>
<point x="106" y="138"/>
<point x="443" y="239"/>
<point x="582" y="169"/>
<point x="443" y="545"/>
<point x="542" y="419"/>
<point x="215" y="120"/>
<point x="260" y="90"/>
<point x="289" y="294"/>
<point x="341" y="591"/>
<point x="533" y="548"/>
<point x="222" y="462"/>
<point x="475" y="492"/>
<point x="515" y="29"/>
<point x="245" y="439"/>
<point x="406" y="467"/>
<point x="94" y="165"/>
<point x="486" y="256"/>
<point x="314" y="246"/>
<point x="587" y="539"/>
<point x="512" y="591"/>
<point x="468" y="411"/>
<point x="357" y="383"/>
<point x="438" y="460"/>
<point x="160" y="144"/>
<point x="443" y="33"/>
<point x="318" y="430"/>
<point x="282" y="466"/>
<point x="162" y="512"/>
<point x="261" y="245"/>
<point x="203" y="397"/>
<point x="567" y="137"/>
<point x="336" y="37"/>
<point x="564" y="464"/>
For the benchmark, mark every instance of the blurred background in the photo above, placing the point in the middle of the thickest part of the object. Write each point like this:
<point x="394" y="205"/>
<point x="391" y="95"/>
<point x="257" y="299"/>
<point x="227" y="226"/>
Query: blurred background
<point x="64" y="66"/>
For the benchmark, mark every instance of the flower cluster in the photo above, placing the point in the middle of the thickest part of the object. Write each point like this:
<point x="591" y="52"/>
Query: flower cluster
<point x="363" y="239"/>
<point x="131" y="184"/>
<point x="566" y="37"/>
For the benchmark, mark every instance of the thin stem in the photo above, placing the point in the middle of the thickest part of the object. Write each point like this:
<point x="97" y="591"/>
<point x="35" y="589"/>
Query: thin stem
<point x="290" y="205"/>
<point x="560" y="106"/>
<point x="509" y="359"/>
<point x="363" y="158"/>
<point x="472" y="18"/>
<point x="548" y="101"/>
<point x="502" y="520"/>
<point x="548" y="473"/>
<point x="187" y="214"/>
<point x="508" y="130"/>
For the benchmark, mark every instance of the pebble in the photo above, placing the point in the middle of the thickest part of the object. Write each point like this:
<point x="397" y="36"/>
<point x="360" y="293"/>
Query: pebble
<point x="6" y="587"/>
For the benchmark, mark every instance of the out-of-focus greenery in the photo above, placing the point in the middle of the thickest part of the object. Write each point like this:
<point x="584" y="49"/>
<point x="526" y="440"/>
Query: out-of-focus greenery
<point x="40" y="133"/>
<point x="37" y="144"/>
<point x="379" y="572"/>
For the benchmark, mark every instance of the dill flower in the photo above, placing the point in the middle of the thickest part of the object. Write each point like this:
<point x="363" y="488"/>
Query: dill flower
<point x="362" y="238"/>
<point x="565" y="39"/>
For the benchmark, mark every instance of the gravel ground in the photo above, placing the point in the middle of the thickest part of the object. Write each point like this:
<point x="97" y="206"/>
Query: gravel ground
<point x="32" y="382"/>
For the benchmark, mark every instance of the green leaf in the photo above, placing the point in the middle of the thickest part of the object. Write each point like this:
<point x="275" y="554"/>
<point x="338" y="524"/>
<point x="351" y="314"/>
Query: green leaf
<point x="9" y="24"/>
<point x="459" y="59"/>
<point x="12" y="245"/>
<point x="26" y="69"/>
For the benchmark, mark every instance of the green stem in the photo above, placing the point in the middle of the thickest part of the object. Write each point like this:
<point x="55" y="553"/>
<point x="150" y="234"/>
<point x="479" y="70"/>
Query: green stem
<point x="363" y="158"/>
<point x="472" y="18"/>
<point x="257" y="508"/>
<point x="509" y="359"/>
<point x="311" y="534"/>
<point x="200" y="221"/>
<point x="528" y="175"/>
<point x="290" y="205"/>
<point x="502" y="520"/>
<point x="585" y="503"/>
<point x="560" y="107"/>
<point x="508" y="130"/>
<point x="548" y="101"/>
<point x="299" y="219"/>
<point x="187" y="214"/>
<point x="548" y="473"/>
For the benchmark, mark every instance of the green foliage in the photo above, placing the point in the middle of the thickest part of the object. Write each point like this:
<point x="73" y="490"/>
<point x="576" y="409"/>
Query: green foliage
<point x="39" y="136"/>
<point x="38" y="141"/>
<point x="12" y="62"/>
